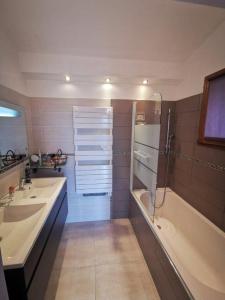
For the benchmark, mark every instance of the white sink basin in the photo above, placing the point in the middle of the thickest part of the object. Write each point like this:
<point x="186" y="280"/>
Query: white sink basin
<point x="44" y="182"/>
<point x="16" y="213"/>
<point x="16" y="226"/>
<point x="22" y="219"/>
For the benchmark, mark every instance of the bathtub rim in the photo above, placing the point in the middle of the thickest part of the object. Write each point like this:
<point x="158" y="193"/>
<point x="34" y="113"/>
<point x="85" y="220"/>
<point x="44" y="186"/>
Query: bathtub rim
<point x="148" y="220"/>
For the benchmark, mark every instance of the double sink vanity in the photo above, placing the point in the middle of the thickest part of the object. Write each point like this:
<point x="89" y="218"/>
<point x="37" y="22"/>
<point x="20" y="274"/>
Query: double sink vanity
<point x="31" y="223"/>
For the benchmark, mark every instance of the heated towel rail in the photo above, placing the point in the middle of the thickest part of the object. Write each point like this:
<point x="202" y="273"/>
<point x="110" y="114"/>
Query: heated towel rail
<point x="93" y="149"/>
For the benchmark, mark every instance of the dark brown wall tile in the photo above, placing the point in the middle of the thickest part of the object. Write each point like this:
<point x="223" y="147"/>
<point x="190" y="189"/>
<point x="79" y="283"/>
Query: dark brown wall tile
<point x="120" y="205"/>
<point x="187" y="133"/>
<point x="121" y="172"/>
<point x="122" y="117"/>
<point x="205" y="191"/>
<point x="213" y="178"/>
<point x="122" y="106"/>
<point x="120" y="196"/>
<point x="183" y="165"/>
<point x="187" y="119"/>
<point x="121" y="133"/>
<point x="120" y="160"/>
<point x="151" y="109"/>
<point x="188" y="104"/>
<point x="120" y="184"/>
<point x="180" y="177"/>
<point x="209" y="154"/>
<point x="186" y="148"/>
<point x="121" y="146"/>
<point x="213" y="213"/>
<point x="192" y="172"/>
<point x="166" y="105"/>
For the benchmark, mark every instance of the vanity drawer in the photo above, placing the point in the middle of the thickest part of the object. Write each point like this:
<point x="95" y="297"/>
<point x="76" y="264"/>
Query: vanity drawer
<point x="39" y="281"/>
<point x="33" y="258"/>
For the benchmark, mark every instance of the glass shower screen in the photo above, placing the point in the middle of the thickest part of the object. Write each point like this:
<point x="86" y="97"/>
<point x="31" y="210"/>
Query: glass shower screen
<point x="146" y="137"/>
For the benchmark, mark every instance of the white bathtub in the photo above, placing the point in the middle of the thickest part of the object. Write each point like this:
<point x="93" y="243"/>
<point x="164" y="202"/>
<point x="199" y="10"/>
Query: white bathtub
<point x="195" y="246"/>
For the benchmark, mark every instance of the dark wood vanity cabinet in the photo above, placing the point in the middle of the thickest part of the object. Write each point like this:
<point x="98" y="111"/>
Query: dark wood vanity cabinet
<point x="30" y="281"/>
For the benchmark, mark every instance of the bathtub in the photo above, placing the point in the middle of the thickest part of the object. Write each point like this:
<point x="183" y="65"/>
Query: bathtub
<point x="194" y="245"/>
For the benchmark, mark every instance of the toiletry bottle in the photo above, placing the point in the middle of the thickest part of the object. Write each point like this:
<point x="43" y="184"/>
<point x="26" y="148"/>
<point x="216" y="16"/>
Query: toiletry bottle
<point x="40" y="158"/>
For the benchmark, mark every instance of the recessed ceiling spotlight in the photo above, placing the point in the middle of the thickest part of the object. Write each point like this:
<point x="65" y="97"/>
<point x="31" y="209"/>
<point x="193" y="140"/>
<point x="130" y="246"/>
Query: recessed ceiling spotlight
<point x="108" y="80"/>
<point x="67" y="77"/>
<point x="145" y="81"/>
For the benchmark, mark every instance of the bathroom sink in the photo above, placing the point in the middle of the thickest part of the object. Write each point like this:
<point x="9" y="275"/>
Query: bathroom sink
<point x="17" y="223"/>
<point x="39" y="191"/>
<point x="16" y="213"/>
<point x="22" y="217"/>
<point x="44" y="182"/>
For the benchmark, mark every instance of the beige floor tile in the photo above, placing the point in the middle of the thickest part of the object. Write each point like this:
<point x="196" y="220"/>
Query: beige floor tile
<point x="78" y="230"/>
<point x="100" y="261"/>
<point x="52" y="285"/>
<point x="115" y="245"/>
<point x="119" y="281"/>
<point x="147" y="282"/>
<point x="75" y="254"/>
<point x="119" y="227"/>
<point x="76" y="284"/>
<point x="116" y="252"/>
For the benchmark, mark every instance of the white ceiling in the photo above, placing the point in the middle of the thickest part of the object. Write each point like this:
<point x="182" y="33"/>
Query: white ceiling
<point x="160" y="30"/>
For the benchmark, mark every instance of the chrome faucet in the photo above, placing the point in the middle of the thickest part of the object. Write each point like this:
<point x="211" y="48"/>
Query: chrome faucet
<point x="21" y="184"/>
<point x="28" y="174"/>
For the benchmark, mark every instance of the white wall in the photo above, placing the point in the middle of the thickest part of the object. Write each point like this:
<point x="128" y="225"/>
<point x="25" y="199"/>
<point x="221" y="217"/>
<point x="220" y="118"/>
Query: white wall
<point x="56" y="89"/>
<point x="174" y="81"/>
<point x="93" y="66"/>
<point x="207" y="59"/>
<point x="10" y="74"/>
<point x="52" y="126"/>
<point x="44" y="75"/>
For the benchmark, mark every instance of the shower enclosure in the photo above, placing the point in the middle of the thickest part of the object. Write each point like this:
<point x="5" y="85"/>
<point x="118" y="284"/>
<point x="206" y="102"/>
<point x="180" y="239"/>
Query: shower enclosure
<point x="151" y="151"/>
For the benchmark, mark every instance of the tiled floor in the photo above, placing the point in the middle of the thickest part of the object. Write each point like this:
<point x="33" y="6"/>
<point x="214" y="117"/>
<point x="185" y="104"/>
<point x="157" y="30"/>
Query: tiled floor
<point x="100" y="261"/>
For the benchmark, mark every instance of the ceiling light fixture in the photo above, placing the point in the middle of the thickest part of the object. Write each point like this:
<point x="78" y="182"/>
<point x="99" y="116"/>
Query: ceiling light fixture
<point x="145" y="81"/>
<point x="67" y="77"/>
<point x="108" y="80"/>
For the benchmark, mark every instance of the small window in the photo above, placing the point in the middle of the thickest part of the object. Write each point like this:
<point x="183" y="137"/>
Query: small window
<point x="212" y="119"/>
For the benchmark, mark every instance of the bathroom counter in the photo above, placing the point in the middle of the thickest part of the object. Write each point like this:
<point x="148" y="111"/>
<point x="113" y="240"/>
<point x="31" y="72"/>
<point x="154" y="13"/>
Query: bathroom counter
<point x="22" y="220"/>
<point x="31" y="227"/>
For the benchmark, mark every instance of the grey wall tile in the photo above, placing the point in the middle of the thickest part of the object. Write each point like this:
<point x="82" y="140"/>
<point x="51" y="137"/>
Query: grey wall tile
<point x="193" y="174"/>
<point x="121" y="172"/>
<point x="122" y="116"/>
<point x="188" y="104"/>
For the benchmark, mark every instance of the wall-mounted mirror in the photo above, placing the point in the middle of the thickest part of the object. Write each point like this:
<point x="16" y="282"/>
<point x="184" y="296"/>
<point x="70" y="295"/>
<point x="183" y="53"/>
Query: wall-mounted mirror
<point x="13" y="135"/>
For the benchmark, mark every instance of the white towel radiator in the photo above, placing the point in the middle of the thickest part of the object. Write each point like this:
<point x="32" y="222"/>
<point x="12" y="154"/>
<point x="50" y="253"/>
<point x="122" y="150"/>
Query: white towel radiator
<point x="93" y="149"/>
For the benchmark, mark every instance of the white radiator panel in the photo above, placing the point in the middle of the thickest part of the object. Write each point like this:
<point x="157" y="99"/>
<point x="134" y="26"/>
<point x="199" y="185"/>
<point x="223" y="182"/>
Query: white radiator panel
<point x="89" y="208"/>
<point x="93" y="149"/>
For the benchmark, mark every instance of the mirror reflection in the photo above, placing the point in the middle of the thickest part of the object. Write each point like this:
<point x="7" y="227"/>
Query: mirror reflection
<point x="13" y="135"/>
